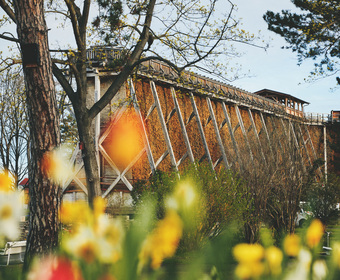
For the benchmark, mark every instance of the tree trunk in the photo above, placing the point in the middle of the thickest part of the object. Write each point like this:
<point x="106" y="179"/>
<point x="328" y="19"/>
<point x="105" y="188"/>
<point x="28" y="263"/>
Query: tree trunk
<point x="43" y="124"/>
<point x="86" y="137"/>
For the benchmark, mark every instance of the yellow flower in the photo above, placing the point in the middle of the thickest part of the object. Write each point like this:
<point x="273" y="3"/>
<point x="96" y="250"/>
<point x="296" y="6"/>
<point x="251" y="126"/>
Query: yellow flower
<point x="185" y="194"/>
<point x="99" y="206"/>
<point x="74" y="212"/>
<point x="336" y="253"/>
<point x="291" y="245"/>
<point x="109" y="233"/>
<point x="10" y="214"/>
<point x="83" y="244"/>
<point x="248" y="253"/>
<point x="5" y="181"/>
<point x="163" y="241"/>
<point x="249" y="257"/>
<point x="274" y="258"/>
<point x="314" y="233"/>
<point x="249" y="270"/>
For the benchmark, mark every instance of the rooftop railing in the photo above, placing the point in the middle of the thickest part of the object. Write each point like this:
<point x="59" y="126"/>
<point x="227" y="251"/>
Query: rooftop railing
<point x="103" y="55"/>
<point x="316" y="118"/>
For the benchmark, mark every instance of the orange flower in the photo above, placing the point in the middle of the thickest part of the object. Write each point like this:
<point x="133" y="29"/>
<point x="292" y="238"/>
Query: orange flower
<point x="56" y="166"/>
<point x="125" y="139"/>
<point x="314" y="233"/>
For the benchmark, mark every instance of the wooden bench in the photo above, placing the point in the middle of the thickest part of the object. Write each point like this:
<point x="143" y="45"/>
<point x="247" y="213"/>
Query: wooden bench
<point x="14" y="252"/>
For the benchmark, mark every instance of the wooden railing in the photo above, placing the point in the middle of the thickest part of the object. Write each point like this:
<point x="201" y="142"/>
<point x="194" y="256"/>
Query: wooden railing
<point x="203" y="85"/>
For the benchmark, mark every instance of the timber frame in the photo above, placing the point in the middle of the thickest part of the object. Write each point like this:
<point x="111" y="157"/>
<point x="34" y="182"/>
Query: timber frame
<point x="262" y="115"/>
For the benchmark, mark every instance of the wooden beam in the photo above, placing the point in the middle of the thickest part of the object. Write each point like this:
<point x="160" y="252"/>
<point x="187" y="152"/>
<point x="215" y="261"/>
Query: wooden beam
<point x="183" y="127"/>
<point x="145" y="136"/>
<point x="163" y="125"/>
<point x="217" y="133"/>
<point x="240" y="121"/>
<point x="252" y="122"/>
<point x="232" y="136"/>
<point x="200" y="129"/>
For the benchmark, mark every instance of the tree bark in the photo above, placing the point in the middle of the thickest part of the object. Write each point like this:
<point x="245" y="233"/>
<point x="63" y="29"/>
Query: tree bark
<point x="44" y="129"/>
<point x="86" y="137"/>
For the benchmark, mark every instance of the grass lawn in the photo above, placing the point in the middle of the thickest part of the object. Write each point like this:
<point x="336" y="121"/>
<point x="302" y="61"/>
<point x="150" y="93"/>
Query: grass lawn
<point x="11" y="272"/>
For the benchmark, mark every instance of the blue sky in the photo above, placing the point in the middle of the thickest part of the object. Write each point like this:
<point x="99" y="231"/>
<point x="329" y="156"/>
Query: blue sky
<point x="274" y="69"/>
<point x="277" y="68"/>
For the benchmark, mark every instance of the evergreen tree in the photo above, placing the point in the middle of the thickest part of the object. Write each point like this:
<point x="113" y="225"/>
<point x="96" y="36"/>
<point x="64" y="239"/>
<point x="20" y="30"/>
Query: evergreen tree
<point x="313" y="33"/>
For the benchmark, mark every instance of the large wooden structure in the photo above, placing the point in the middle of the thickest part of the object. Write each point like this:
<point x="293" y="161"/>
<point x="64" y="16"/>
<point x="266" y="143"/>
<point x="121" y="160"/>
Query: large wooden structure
<point x="191" y="118"/>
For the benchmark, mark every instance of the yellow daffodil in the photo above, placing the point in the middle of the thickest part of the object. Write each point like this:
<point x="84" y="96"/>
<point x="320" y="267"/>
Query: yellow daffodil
<point x="314" y="233"/>
<point x="5" y="182"/>
<point x="185" y="194"/>
<point x="74" y="212"/>
<point x="249" y="270"/>
<point x="99" y="206"/>
<point x="109" y="233"/>
<point x="247" y="253"/>
<point x="82" y="245"/>
<point x="250" y="258"/>
<point x="163" y="241"/>
<point x="291" y="245"/>
<point x="10" y="214"/>
<point x="274" y="258"/>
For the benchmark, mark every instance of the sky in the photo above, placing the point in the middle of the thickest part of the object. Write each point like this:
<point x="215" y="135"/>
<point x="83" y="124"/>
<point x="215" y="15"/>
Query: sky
<point x="275" y="68"/>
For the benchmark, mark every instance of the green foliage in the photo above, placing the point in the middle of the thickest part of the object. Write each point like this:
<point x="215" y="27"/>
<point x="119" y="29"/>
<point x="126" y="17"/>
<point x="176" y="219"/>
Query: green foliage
<point x="312" y="33"/>
<point x="323" y="198"/>
<point x="158" y="187"/>
<point x="113" y="10"/>
<point x="221" y="199"/>
<point x="11" y="272"/>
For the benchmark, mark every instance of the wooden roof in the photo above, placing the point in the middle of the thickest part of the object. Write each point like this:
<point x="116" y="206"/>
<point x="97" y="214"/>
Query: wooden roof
<point x="272" y="93"/>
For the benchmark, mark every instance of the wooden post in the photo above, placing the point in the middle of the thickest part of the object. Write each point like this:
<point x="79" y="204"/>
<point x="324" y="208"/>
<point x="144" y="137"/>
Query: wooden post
<point x="325" y="151"/>
<point x="97" y="118"/>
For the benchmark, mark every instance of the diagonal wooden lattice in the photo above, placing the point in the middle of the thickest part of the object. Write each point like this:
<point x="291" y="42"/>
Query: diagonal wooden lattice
<point x="262" y="135"/>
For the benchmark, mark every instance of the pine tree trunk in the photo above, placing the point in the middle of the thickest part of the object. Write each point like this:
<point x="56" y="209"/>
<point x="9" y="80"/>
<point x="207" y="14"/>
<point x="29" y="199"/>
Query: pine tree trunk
<point x="44" y="128"/>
